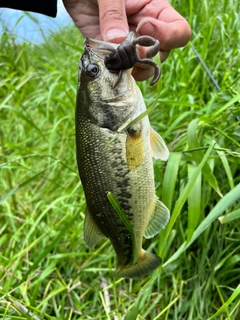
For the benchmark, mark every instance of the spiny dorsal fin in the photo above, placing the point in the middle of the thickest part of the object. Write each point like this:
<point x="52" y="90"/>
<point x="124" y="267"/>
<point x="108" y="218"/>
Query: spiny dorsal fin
<point x="92" y="234"/>
<point x="159" y="149"/>
<point x="158" y="220"/>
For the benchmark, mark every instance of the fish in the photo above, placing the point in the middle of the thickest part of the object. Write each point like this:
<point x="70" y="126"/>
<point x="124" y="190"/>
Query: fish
<point x="114" y="155"/>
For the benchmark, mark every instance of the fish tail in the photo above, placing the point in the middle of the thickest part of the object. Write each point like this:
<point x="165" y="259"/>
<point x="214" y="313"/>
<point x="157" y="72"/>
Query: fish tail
<point x="146" y="263"/>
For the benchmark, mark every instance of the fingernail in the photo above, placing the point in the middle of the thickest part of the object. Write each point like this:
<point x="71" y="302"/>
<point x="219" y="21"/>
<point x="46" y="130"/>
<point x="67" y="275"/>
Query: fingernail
<point x="115" y="34"/>
<point x="146" y="28"/>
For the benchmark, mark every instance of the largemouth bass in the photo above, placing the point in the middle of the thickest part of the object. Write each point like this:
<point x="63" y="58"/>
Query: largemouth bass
<point x="116" y="159"/>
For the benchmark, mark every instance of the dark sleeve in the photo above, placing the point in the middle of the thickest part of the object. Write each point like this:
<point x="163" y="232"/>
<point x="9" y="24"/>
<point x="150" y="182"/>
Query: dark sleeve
<point x="47" y="7"/>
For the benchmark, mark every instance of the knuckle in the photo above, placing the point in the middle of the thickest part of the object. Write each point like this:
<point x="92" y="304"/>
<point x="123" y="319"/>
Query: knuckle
<point x="184" y="33"/>
<point x="188" y="33"/>
<point x="112" y="13"/>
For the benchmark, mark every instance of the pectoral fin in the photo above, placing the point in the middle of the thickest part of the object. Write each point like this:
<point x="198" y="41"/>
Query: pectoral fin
<point x="159" y="149"/>
<point x="92" y="234"/>
<point x="158" y="220"/>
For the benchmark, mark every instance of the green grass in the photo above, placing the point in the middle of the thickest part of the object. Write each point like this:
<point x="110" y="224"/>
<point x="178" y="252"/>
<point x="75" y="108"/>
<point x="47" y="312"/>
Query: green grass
<point x="45" y="266"/>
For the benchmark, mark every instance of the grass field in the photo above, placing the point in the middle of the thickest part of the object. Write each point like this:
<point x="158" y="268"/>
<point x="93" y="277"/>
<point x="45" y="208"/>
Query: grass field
<point x="46" y="269"/>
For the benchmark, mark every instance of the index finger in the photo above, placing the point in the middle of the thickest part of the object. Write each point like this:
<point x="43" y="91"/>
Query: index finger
<point x="170" y="34"/>
<point x="160" y="20"/>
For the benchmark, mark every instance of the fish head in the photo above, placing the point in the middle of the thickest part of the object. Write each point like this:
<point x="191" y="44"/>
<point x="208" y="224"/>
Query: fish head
<point x="98" y="95"/>
<point x="93" y="74"/>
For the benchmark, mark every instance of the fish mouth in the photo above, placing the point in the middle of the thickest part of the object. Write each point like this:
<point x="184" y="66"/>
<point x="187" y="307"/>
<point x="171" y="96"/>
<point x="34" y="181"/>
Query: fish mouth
<point x="102" y="49"/>
<point x="98" y="47"/>
<point x="100" y="44"/>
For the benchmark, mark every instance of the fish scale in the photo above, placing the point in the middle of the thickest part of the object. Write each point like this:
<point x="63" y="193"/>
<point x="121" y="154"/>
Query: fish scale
<point x="97" y="202"/>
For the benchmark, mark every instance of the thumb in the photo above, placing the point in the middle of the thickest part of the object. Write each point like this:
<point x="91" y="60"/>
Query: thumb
<point x="113" y="20"/>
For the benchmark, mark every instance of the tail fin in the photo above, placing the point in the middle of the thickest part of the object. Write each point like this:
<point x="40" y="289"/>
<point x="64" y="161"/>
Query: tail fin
<point x="145" y="264"/>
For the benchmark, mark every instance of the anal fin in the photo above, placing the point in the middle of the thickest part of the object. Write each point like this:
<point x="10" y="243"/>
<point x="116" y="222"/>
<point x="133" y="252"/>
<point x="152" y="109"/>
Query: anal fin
<point x="92" y="234"/>
<point x="158" y="219"/>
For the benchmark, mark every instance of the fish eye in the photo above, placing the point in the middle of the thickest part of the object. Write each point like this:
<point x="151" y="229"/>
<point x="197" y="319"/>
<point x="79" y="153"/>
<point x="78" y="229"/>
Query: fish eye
<point x="92" y="70"/>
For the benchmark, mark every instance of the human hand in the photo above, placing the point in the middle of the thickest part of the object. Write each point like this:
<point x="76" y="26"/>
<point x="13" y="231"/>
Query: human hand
<point x="111" y="20"/>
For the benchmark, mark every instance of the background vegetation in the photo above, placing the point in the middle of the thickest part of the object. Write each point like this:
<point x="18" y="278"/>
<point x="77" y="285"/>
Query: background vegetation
<point x="46" y="269"/>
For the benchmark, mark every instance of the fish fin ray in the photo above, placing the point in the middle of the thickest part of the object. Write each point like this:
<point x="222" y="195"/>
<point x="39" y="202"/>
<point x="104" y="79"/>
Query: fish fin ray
<point x="159" y="149"/>
<point x="92" y="234"/>
<point x="145" y="264"/>
<point x="158" y="220"/>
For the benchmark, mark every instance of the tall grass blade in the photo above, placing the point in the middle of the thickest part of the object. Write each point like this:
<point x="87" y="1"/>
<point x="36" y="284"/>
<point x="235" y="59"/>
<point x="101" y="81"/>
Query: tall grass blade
<point x="23" y="309"/>
<point x="221" y="110"/>
<point x="135" y="120"/>
<point x="116" y="206"/>
<point x="194" y="203"/>
<point x="198" y="155"/>
<point x="170" y="178"/>
<point x="183" y="197"/>
<point x="226" y="166"/>
<point x="49" y="247"/>
<point x="233" y="296"/>
<point x="234" y="215"/>
<point x="228" y="200"/>
<point x="16" y="189"/>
